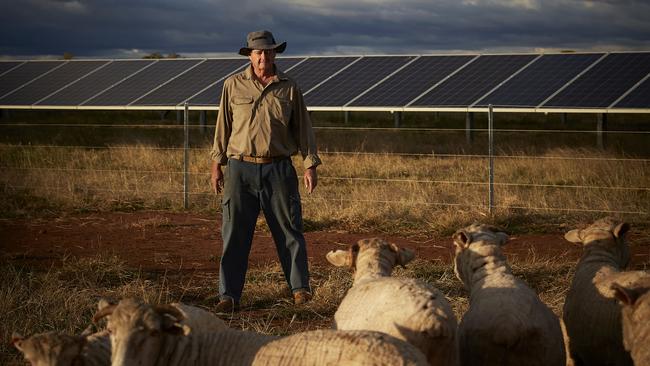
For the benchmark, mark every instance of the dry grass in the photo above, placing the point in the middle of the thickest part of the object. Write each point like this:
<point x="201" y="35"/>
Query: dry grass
<point x="405" y="194"/>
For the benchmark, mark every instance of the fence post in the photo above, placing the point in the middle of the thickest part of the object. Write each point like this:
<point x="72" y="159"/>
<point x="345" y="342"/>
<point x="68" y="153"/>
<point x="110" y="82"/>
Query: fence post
<point x="491" y="158"/>
<point x="186" y="158"/>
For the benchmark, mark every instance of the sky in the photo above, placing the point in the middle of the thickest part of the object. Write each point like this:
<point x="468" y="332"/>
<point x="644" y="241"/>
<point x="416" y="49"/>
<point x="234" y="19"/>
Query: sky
<point x="31" y="29"/>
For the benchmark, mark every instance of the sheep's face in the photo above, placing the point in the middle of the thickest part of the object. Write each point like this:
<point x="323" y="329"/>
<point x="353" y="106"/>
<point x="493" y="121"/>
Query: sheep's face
<point x="373" y="252"/>
<point x="606" y="234"/>
<point x="635" y="299"/>
<point x="51" y="349"/>
<point x="473" y="244"/>
<point x="138" y="331"/>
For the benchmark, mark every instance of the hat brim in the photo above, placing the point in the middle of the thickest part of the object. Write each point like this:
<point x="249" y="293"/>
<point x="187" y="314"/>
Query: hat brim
<point x="245" y="51"/>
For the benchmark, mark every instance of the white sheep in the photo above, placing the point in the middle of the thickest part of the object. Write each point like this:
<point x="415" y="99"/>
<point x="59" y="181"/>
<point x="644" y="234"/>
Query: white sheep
<point x="146" y="335"/>
<point x="592" y="319"/>
<point x="406" y="308"/>
<point x="632" y="289"/>
<point x="58" y="349"/>
<point x="506" y="323"/>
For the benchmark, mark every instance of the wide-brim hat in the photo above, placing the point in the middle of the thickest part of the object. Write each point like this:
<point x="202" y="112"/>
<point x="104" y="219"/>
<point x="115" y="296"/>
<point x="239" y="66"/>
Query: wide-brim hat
<point x="261" y="40"/>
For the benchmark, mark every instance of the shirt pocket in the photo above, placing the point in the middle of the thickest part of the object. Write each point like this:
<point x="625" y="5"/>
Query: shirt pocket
<point x="242" y="108"/>
<point x="281" y="110"/>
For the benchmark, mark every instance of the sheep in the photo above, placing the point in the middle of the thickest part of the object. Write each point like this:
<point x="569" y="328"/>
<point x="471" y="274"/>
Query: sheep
<point x="406" y="308"/>
<point x="592" y="319"/>
<point x="151" y="335"/>
<point x="632" y="289"/>
<point x="506" y="323"/>
<point x="58" y="349"/>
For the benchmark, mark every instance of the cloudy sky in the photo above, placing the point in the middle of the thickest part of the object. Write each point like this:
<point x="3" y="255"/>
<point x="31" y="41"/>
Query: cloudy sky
<point x="133" y="28"/>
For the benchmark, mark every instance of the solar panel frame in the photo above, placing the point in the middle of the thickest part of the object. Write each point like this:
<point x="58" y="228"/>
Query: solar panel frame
<point x="479" y="76"/>
<point x="214" y="90"/>
<point x="52" y="82"/>
<point x="141" y="82"/>
<point x="603" y="84"/>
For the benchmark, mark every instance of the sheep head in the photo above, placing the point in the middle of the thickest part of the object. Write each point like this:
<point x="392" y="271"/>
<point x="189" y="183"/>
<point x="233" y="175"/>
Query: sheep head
<point x="371" y="256"/>
<point x="633" y="292"/>
<point x="49" y="349"/>
<point x="605" y="234"/>
<point x="138" y="328"/>
<point x="478" y="247"/>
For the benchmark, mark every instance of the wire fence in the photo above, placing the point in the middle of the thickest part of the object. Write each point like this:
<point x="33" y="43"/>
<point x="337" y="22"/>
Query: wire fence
<point x="382" y="171"/>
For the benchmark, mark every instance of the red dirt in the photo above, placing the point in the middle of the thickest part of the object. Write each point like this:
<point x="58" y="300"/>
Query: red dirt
<point x="175" y="241"/>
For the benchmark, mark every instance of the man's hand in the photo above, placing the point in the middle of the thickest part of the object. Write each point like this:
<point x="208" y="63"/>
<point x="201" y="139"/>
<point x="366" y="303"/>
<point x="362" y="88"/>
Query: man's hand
<point x="216" y="180"/>
<point x="311" y="179"/>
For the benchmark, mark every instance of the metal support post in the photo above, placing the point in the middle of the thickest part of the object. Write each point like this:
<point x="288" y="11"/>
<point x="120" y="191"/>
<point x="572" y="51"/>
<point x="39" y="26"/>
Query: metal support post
<point x="202" y="118"/>
<point x="469" y="127"/>
<point x="601" y="130"/>
<point x="186" y="158"/>
<point x="397" y="119"/>
<point x="491" y="155"/>
<point x="346" y="117"/>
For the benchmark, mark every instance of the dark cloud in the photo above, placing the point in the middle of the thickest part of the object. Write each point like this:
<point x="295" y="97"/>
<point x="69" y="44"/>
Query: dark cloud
<point x="121" y="28"/>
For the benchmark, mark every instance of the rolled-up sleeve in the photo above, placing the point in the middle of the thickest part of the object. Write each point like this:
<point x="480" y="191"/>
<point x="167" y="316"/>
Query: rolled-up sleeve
<point x="223" y="129"/>
<point x="303" y="132"/>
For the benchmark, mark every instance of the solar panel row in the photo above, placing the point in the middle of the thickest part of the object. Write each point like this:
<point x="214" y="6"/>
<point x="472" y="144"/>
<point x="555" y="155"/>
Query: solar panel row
<point x="582" y="81"/>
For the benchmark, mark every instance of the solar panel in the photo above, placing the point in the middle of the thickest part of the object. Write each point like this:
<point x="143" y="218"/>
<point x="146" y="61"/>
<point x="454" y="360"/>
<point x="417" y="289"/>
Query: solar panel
<point x="94" y="83"/>
<point x="142" y="82"/>
<point x="190" y="83"/>
<point x="540" y="80"/>
<point x="413" y="80"/>
<point x="212" y="95"/>
<point x="473" y="81"/>
<point x="25" y="73"/>
<point x="8" y="65"/>
<point x="285" y="63"/>
<point x="357" y="78"/>
<point x="605" y="82"/>
<point x="316" y="69"/>
<point x="638" y="98"/>
<point x="53" y="81"/>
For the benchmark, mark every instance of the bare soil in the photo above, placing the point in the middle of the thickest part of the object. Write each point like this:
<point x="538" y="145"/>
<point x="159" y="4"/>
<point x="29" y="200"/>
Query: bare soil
<point x="155" y="240"/>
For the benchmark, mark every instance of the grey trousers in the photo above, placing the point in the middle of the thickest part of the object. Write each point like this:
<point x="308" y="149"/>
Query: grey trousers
<point x="273" y="188"/>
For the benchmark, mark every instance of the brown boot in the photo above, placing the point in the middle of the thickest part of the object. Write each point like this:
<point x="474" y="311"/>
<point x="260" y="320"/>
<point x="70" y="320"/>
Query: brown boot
<point x="301" y="296"/>
<point x="226" y="306"/>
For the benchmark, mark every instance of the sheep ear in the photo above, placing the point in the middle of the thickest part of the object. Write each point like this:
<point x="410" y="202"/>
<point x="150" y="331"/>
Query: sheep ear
<point x="105" y="311"/>
<point x="625" y="295"/>
<point x="170" y="311"/>
<point x="461" y="239"/>
<point x="339" y="258"/>
<point x="17" y="341"/>
<point x="404" y="255"/>
<point x="573" y="236"/>
<point x="621" y="229"/>
<point x="104" y="302"/>
<point x="503" y="237"/>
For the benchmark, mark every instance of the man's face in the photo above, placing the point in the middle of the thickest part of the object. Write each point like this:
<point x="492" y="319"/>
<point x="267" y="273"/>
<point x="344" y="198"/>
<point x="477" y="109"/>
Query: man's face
<point x="262" y="60"/>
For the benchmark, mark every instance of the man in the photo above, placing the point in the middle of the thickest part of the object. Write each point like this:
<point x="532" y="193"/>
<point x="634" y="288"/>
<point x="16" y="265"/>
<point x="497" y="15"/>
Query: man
<point x="262" y="122"/>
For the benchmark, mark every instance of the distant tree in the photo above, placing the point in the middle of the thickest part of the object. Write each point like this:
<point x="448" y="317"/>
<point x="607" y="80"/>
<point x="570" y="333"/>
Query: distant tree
<point x="154" y="55"/>
<point x="174" y="55"/>
<point x="567" y="51"/>
<point x="68" y="56"/>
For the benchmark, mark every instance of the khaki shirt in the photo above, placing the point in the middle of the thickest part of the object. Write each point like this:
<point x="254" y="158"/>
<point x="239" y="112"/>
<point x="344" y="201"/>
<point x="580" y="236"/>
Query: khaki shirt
<point x="260" y="121"/>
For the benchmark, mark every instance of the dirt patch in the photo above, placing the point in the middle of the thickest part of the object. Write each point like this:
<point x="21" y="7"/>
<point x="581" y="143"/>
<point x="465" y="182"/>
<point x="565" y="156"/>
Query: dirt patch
<point x="183" y="241"/>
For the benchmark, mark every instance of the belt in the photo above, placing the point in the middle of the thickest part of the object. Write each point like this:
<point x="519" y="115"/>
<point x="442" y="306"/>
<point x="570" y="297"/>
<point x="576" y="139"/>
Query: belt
<point x="257" y="159"/>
